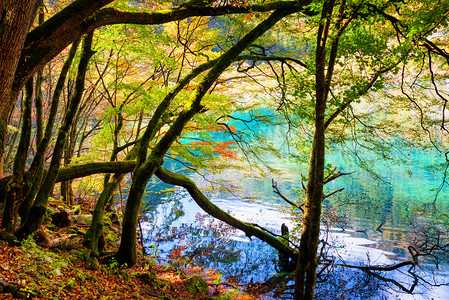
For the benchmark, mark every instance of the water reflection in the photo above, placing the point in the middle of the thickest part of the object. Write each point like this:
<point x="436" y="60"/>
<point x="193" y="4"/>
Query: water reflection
<point x="193" y="238"/>
<point x="369" y="222"/>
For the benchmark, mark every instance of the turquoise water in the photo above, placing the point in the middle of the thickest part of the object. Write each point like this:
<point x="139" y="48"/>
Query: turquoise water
<point x="373" y="220"/>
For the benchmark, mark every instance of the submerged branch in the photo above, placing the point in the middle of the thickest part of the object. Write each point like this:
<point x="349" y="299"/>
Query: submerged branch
<point x="284" y="237"/>
<point x="379" y="268"/>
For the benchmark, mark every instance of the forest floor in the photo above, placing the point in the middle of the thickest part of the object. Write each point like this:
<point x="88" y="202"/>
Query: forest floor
<point x="55" y="269"/>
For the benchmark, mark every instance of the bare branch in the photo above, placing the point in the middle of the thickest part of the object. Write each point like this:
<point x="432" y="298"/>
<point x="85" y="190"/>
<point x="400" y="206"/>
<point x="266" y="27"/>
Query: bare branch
<point x="274" y="184"/>
<point x="334" y="192"/>
<point x="335" y="176"/>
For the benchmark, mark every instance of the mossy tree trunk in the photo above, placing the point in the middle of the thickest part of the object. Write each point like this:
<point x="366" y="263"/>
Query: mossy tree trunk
<point x="36" y="170"/>
<point x="38" y="210"/>
<point x="16" y="188"/>
<point x="66" y="186"/>
<point x="38" y="97"/>
<point x="324" y="68"/>
<point x="127" y="253"/>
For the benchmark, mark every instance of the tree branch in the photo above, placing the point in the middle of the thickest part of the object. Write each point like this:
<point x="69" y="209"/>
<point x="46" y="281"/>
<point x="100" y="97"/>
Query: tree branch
<point x="274" y="184"/>
<point x="82" y="16"/>
<point x="250" y="230"/>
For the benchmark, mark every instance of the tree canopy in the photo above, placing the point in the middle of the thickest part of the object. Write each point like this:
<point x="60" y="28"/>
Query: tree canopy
<point x="154" y="81"/>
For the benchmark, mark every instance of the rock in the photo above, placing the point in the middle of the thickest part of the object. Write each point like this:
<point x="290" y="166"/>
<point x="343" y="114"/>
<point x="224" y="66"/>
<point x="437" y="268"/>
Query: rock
<point x="64" y="244"/>
<point x="147" y="277"/>
<point x="92" y="263"/>
<point x="61" y="219"/>
<point x="197" y="285"/>
<point x="41" y="238"/>
<point x="8" y="237"/>
<point x="84" y="220"/>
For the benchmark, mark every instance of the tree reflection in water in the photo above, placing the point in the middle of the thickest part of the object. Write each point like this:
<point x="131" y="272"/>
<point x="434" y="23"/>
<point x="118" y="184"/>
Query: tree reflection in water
<point x="176" y="231"/>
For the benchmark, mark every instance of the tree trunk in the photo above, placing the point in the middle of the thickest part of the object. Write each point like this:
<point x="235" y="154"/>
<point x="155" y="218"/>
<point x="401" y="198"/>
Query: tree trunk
<point x="127" y="253"/>
<point x="17" y="188"/>
<point x="38" y="97"/>
<point x="38" y="210"/>
<point x="95" y="231"/>
<point x="307" y="255"/>
<point x="308" y="248"/>
<point x="16" y="17"/>
<point x="67" y="192"/>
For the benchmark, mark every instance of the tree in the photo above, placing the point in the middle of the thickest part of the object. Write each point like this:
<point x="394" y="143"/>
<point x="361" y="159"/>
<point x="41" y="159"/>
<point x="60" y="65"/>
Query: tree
<point x="329" y="67"/>
<point x="38" y="209"/>
<point x="38" y="47"/>
<point x="329" y="54"/>
<point x="15" y="22"/>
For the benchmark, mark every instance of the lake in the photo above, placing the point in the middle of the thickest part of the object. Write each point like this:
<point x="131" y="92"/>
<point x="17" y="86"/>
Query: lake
<point x="374" y="220"/>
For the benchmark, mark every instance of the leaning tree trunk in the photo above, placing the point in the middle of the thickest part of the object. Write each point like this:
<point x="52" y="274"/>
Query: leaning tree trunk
<point x="249" y="229"/>
<point x="16" y="17"/>
<point x="127" y="252"/>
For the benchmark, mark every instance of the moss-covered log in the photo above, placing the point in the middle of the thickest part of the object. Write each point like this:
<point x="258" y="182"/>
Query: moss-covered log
<point x="78" y="171"/>
<point x="83" y="170"/>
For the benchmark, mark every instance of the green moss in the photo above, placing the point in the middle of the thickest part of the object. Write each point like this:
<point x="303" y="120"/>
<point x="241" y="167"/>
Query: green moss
<point x="125" y="275"/>
<point x="197" y="285"/>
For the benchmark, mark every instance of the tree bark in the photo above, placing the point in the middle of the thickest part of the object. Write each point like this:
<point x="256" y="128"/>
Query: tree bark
<point x="127" y="253"/>
<point x="16" y="188"/>
<point x="38" y="210"/>
<point x="16" y="17"/>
